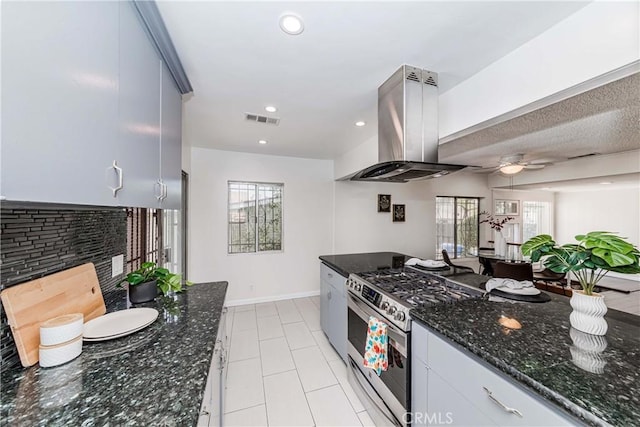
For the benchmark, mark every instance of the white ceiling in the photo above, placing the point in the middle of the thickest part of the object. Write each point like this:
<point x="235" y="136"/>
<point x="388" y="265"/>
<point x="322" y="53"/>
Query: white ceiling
<point x="325" y="79"/>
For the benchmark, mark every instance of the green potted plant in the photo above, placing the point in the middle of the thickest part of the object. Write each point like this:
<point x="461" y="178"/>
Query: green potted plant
<point x="595" y="254"/>
<point x="145" y="282"/>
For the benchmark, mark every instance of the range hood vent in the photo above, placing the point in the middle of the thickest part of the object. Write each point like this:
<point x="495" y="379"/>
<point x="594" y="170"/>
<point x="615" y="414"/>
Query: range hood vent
<point x="407" y="129"/>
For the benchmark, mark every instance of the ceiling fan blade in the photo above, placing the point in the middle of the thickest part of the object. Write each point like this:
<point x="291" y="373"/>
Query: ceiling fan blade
<point x="535" y="166"/>
<point x="475" y="169"/>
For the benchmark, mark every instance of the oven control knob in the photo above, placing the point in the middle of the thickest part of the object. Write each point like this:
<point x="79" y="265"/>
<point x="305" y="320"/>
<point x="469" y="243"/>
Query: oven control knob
<point x="399" y="316"/>
<point x="358" y="287"/>
<point x="392" y="309"/>
<point x="384" y="305"/>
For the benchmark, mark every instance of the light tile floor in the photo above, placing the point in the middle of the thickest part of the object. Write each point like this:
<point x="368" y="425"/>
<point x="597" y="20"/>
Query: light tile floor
<point x="283" y="371"/>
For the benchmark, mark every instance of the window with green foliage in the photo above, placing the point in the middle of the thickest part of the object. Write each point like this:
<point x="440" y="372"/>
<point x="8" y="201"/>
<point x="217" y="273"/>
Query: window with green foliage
<point x="255" y="217"/>
<point x="457" y="226"/>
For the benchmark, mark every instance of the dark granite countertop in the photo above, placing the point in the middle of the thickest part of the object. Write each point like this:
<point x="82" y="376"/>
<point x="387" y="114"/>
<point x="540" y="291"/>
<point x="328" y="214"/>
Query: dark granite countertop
<point x="358" y="263"/>
<point x="156" y="376"/>
<point x="571" y="369"/>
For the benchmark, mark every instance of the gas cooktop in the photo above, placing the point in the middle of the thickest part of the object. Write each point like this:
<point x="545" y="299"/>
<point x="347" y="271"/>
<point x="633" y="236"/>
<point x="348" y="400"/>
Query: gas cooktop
<point x="415" y="288"/>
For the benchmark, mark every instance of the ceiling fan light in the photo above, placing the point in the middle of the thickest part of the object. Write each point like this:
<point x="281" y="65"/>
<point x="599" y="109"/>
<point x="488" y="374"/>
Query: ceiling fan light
<point x="511" y="169"/>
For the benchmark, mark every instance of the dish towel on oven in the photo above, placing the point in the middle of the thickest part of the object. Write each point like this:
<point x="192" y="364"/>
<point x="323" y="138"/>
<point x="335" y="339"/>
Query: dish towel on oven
<point x="375" y="352"/>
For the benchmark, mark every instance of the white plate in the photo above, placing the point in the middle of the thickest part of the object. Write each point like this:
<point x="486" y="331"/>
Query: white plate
<point x="113" y="337"/>
<point x="432" y="264"/>
<point x="523" y="291"/>
<point x="119" y="323"/>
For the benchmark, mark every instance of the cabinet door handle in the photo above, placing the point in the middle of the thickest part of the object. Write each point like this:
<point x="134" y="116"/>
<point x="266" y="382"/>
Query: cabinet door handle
<point x="159" y="196"/>
<point x="164" y="187"/>
<point x="329" y="295"/>
<point x="120" y="178"/>
<point x="502" y="405"/>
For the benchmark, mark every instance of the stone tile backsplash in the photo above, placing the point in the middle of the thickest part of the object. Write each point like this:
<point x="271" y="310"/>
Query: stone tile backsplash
<point x="39" y="240"/>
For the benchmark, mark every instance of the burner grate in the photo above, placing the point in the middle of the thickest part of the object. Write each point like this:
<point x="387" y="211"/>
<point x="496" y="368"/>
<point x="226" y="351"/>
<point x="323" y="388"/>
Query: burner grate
<point x="415" y="288"/>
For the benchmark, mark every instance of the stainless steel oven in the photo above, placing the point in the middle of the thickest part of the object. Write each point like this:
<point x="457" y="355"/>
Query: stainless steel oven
<point x="386" y="397"/>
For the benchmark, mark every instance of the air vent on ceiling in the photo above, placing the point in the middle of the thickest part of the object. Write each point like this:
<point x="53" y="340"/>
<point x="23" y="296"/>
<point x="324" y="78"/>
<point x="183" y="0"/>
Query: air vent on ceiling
<point x="583" y="155"/>
<point x="413" y="77"/>
<point x="262" y="119"/>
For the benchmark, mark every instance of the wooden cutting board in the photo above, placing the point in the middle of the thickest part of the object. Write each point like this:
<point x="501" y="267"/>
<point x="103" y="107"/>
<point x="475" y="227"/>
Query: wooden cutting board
<point x="29" y="304"/>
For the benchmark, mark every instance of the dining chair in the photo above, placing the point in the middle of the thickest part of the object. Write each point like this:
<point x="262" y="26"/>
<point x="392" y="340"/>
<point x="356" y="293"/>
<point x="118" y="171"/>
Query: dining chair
<point x="513" y="270"/>
<point x="447" y="260"/>
<point x="485" y="264"/>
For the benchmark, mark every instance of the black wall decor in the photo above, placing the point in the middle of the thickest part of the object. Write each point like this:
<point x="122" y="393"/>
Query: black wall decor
<point x="384" y="202"/>
<point x="399" y="213"/>
<point x="39" y="240"/>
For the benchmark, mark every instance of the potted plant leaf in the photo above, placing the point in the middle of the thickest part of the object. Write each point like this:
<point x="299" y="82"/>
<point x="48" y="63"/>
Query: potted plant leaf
<point x="145" y="282"/>
<point x="595" y="254"/>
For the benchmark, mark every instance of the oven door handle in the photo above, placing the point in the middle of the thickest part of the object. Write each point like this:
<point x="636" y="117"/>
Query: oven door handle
<point x="371" y="393"/>
<point x="358" y="308"/>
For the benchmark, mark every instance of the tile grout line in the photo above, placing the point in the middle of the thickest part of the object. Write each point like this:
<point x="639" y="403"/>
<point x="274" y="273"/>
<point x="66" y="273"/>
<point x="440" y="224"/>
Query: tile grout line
<point x="264" y="393"/>
<point x="244" y="409"/>
<point x="297" y="374"/>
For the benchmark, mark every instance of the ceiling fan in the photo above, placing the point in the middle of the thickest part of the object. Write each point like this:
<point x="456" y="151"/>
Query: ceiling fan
<point x="513" y="164"/>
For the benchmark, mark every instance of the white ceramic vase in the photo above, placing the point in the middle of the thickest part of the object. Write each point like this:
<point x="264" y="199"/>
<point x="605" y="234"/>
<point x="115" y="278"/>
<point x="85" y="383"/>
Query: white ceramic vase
<point x="500" y="244"/>
<point x="586" y="351"/>
<point x="588" y="313"/>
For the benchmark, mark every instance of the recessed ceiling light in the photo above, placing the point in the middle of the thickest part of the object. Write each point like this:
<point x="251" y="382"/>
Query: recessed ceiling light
<point x="291" y="23"/>
<point x="262" y="141"/>
<point x="606" y="182"/>
<point x="360" y="123"/>
<point x="271" y="108"/>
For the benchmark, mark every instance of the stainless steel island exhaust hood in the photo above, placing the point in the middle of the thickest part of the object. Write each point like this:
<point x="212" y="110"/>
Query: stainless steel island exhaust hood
<point x="407" y="129"/>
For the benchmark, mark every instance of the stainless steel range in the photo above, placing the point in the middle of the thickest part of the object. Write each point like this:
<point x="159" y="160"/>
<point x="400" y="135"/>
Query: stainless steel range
<point x="388" y="295"/>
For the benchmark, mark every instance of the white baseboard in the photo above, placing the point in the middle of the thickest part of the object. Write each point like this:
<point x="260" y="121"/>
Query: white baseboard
<point x="235" y="302"/>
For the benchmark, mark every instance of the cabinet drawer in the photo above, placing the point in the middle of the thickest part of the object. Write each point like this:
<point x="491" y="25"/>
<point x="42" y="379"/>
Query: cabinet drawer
<point x="332" y="277"/>
<point x="476" y="382"/>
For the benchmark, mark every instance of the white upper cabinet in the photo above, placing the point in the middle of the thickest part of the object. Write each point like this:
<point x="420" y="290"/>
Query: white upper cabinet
<point x="171" y="143"/>
<point x="139" y="108"/>
<point x="90" y="114"/>
<point x="59" y="101"/>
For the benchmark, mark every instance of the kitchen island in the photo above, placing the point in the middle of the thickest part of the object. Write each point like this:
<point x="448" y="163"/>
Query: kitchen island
<point x="581" y="377"/>
<point x="156" y="376"/>
<point x="595" y="379"/>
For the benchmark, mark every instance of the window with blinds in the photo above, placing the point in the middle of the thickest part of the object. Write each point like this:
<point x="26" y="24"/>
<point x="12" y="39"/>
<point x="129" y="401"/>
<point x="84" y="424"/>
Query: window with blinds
<point x="254" y="217"/>
<point x="144" y="237"/>
<point x="536" y="219"/>
<point x="457" y="226"/>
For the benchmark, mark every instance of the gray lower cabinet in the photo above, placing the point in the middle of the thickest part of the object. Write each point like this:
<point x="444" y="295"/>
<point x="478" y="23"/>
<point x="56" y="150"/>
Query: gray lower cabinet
<point x="333" y="308"/>
<point x="86" y="108"/>
<point x="212" y="408"/>
<point x="453" y="388"/>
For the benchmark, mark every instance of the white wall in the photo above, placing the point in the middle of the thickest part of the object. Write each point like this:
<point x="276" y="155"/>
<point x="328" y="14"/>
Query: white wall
<point x="308" y="227"/>
<point x="360" y="228"/>
<point x="616" y="210"/>
<point x="356" y="159"/>
<point x="598" y="38"/>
